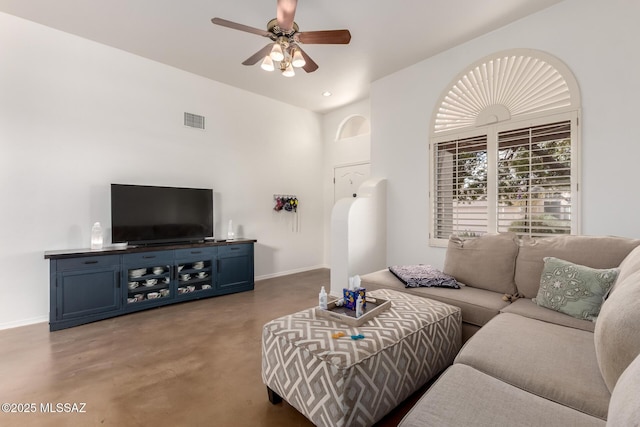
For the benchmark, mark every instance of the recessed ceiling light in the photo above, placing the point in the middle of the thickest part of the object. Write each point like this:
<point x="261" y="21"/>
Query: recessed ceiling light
<point x="326" y="93"/>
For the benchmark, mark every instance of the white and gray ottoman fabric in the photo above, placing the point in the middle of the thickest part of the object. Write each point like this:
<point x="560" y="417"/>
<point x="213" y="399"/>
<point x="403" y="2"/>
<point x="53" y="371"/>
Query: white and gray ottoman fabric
<point x="345" y="382"/>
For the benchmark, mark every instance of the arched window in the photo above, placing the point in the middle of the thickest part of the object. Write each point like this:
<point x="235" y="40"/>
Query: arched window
<point x="504" y="149"/>
<point x="355" y="125"/>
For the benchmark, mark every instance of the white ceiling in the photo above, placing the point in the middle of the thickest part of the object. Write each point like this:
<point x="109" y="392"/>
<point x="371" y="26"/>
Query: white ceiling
<point x="386" y="36"/>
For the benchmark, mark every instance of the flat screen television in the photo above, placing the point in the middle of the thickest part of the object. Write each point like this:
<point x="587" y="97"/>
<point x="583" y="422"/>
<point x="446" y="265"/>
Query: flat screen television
<point x="146" y="215"/>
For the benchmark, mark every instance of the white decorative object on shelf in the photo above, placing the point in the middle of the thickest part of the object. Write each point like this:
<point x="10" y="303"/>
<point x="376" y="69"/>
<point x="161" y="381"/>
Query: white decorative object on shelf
<point x="96" y="236"/>
<point x="230" y="233"/>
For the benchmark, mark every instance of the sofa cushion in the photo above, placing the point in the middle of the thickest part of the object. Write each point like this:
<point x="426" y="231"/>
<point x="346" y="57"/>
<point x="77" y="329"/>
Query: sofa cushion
<point x="624" y="409"/>
<point x="592" y="251"/>
<point x="617" y="332"/>
<point x="478" y="305"/>
<point x="527" y="308"/>
<point x="486" y="262"/>
<point x="574" y="289"/>
<point x="463" y="396"/>
<point x="628" y="266"/>
<point x="534" y="356"/>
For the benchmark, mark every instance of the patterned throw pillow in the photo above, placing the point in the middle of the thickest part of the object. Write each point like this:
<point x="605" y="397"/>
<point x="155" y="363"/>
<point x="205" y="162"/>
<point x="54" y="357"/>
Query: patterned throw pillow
<point x="574" y="289"/>
<point x="414" y="276"/>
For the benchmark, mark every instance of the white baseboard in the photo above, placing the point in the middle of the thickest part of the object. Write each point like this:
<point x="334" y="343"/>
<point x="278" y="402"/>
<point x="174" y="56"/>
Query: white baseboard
<point x="288" y="272"/>
<point x="23" y="322"/>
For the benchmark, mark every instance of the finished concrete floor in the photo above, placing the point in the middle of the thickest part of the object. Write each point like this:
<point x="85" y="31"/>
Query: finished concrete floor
<point x="191" y="364"/>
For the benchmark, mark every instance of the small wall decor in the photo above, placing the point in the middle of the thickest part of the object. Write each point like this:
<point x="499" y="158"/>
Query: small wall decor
<point x="288" y="203"/>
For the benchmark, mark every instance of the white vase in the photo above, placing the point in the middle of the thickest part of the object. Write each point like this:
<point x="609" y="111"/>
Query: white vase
<point x="96" y="236"/>
<point x="230" y="233"/>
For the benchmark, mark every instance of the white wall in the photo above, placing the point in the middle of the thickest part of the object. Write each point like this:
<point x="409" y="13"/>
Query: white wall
<point x="340" y="153"/>
<point x="66" y="103"/>
<point x="598" y="41"/>
<point x="76" y="116"/>
<point x="358" y="234"/>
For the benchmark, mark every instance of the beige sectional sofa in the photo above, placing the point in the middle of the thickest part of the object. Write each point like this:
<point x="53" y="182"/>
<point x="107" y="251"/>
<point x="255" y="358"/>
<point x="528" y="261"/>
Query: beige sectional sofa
<point x="524" y="364"/>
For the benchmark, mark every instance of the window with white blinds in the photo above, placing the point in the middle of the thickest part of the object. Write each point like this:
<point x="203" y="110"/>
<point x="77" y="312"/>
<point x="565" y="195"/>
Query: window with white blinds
<point x="461" y="187"/>
<point x="534" y="180"/>
<point x="510" y="179"/>
<point x="504" y="149"/>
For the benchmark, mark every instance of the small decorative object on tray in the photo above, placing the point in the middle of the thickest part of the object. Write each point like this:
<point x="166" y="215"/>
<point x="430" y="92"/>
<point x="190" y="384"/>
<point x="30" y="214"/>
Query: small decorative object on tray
<point x="348" y="316"/>
<point x="351" y="297"/>
<point x="352" y="292"/>
<point x="359" y="306"/>
<point x="322" y="299"/>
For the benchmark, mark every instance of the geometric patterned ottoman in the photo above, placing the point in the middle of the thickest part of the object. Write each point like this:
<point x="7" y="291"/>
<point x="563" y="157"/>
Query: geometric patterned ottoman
<point x="345" y="382"/>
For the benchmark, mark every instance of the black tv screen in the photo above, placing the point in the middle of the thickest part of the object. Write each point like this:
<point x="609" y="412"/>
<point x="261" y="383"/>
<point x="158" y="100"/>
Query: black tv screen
<point x="143" y="214"/>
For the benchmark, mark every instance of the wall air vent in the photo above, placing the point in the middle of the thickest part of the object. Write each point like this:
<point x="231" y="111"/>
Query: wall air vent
<point x="194" y="121"/>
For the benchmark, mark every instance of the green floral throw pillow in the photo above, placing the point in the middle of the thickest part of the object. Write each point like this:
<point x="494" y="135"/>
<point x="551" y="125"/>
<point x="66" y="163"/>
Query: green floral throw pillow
<point x="574" y="289"/>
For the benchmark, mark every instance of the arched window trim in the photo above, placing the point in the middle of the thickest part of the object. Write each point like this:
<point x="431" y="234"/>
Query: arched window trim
<point x="346" y="121"/>
<point x="485" y="95"/>
<point x="553" y="95"/>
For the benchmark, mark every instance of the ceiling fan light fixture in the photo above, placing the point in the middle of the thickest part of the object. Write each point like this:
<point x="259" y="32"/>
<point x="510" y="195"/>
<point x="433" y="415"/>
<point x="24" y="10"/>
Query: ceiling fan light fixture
<point x="284" y="35"/>
<point x="267" y="64"/>
<point x="298" y="60"/>
<point x="288" y="71"/>
<point x="276" y="52"/>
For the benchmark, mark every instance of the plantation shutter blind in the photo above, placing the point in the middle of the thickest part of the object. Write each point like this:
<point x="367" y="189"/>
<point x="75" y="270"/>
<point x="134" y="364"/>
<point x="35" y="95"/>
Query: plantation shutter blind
<point x="460" y="203"/>
<point x="534" y="180"/>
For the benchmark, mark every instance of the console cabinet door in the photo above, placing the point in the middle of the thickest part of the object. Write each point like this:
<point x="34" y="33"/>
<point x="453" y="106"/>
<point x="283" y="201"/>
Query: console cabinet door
<point x="148" y="278"/>
<point x="195" y="272"/>
<point x="85" y="292"/>
<point x="235" y="268"/>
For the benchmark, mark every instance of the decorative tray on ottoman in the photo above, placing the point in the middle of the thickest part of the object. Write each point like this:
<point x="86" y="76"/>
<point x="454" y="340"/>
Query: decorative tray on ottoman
<point x="342" y="314"/>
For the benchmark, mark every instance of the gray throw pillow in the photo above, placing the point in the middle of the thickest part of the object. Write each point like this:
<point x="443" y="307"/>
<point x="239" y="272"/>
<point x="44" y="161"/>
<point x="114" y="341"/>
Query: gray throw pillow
<point x="574" y="289"/>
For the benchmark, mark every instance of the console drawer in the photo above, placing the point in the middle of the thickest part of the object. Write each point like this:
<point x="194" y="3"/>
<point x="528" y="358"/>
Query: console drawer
<point x="149" y="258"/>
<point x="195" y="253"/>
<point x="235" y="250"/>
<point x="88" y="262"/>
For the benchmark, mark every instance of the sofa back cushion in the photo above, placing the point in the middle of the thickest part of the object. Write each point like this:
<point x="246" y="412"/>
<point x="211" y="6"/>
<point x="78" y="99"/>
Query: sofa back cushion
<point x="617" y="332"/>
<point x="486" y="262"/>
<point x="623" y="406"/>
<point x="628" y="266"/>
<point x="590" y="251"/>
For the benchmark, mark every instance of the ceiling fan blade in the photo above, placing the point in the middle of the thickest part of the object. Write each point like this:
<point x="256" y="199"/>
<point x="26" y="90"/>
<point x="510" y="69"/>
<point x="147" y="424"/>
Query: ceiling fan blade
<point x="236" y="26"/>
<point x="258" y="55"/>
<point x="310" y="66"/>
<point x="286" y="13"/>
<point x="324" y="37"/>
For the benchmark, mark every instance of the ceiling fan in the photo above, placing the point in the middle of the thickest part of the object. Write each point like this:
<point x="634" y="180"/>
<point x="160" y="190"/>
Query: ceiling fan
<point x="284" y="50"/>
